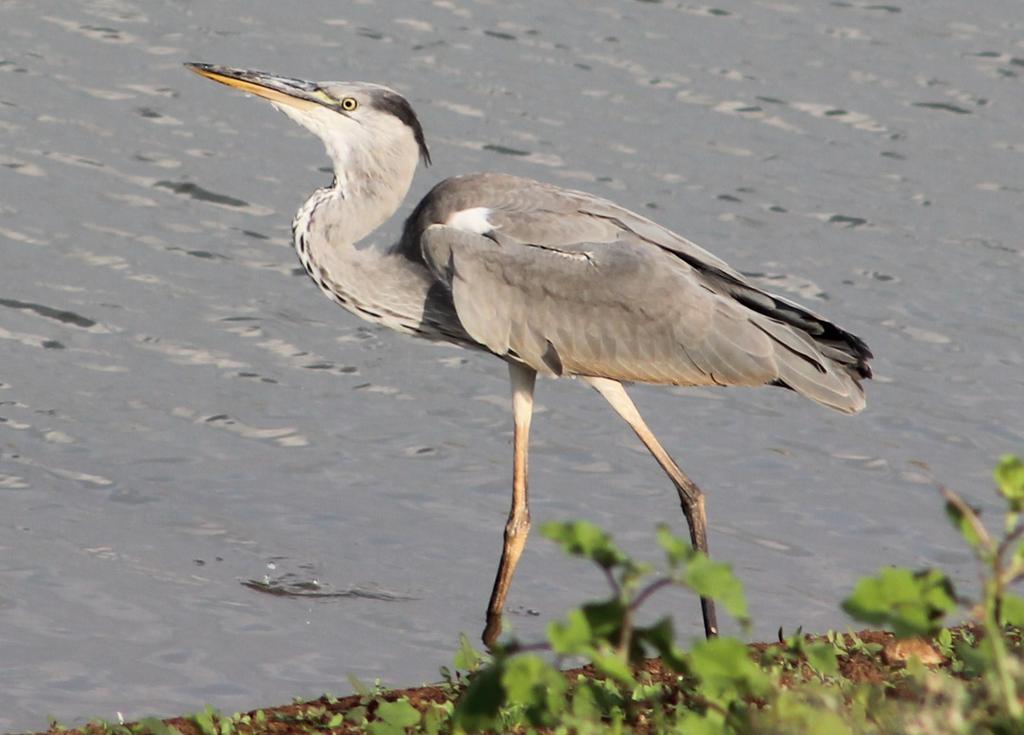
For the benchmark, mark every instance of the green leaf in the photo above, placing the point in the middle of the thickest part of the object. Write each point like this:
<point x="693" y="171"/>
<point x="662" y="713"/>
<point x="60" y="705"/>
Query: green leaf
<point x="806" y="711"/>
<point x="605" y="695"/>
<point x="154" y="726"/>
<point x="912" y="603"/>
<point x="703" y="575"/>
<point x="467" y="658"/>
<point x="837" y="641"/>
<point x="206" y="721"/>
<point x="358" y="686"/>
<point x="710" y="578"/>
<point x="661" y="638"/>
<point x="725" y="669"/>
<point x="537" y="686"/>
<point x="436" y="718"/>
<point x="379" y="727"/>
<point x="611" y="665"/>
<point x="1009" y="477"/>
<point x="356" y="715"/>
<point x="478" y="707"/>
<point x="1012" y="610"/>
<point x="677" y="550"/>
<point x="605" y="620"/>
<point x="650" y="692"/>
<point x="822" y="658"/>
<point x="710" y="722"/>
<point x="977" y="661"/>
<point x="586" y="703"/>
<point x="399" y="713"/>
<point x="336" y="720"/>
<point x="572" y="636"/>
<point x="944" y="640"/>
<point x="1018" y="554"/>
<point x="582" y="538"/>
<point x="587" y="627"/>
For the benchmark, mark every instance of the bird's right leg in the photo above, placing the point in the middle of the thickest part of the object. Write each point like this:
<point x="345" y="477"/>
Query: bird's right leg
<point x="517" y="527"/>
<point x="690" y="496"/>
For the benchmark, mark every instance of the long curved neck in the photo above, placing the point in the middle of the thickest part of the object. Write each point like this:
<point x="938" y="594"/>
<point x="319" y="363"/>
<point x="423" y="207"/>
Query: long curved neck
<point x="368" y="281"/>
<point x="369" y="186"/>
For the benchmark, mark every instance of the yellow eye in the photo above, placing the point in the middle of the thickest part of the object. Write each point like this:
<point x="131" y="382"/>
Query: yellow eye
<point x="349" y="104"/>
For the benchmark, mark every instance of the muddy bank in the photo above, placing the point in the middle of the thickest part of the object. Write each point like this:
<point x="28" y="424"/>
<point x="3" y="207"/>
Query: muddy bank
<point x="865" y="657"/>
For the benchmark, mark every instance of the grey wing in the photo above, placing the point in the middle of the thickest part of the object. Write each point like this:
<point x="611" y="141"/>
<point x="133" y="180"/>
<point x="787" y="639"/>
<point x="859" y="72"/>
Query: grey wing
<point x="806" y="329"/>
<point x="617" y="312"/>
<point x="539" y="213"/>
<point x="567" y="311"/>
<point x="571" y="284"/>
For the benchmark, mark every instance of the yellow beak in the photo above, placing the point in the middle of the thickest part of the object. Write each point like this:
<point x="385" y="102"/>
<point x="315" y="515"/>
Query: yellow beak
<point x="296" y="93"/>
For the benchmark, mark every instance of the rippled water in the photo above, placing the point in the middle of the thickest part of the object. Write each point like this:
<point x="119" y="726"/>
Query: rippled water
<point x="187" y="425"/>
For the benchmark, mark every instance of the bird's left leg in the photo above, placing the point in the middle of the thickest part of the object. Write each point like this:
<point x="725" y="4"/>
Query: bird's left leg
<point x="690" y="496"/>
<point x="517" y="527"/>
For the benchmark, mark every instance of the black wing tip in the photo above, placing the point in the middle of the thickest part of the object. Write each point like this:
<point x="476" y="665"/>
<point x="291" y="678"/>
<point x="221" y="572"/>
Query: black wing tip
<point x="824" y="331"/>
<point x="860" y="351"/>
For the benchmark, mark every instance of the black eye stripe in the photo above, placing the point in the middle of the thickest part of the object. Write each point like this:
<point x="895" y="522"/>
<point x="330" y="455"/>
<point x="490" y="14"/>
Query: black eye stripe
<point x="395" y="104"/>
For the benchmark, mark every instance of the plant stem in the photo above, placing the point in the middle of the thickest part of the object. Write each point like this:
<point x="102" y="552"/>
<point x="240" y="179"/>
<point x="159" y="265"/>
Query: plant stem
<point x="968" y="512"/>
<point x="616" y="587"/>
<point x="649" y="590"/>
<point x="994" y="638"/>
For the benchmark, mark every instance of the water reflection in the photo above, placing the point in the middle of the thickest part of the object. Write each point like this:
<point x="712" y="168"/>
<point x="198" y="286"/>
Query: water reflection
<point x="290" y="585"/>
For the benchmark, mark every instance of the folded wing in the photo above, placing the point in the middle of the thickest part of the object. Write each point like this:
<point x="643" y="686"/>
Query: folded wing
<point x="571" y="284"/>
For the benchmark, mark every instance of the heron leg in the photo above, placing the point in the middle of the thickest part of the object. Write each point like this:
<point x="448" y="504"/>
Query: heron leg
<point x="690" y="496"/>
<point x="517" y="527"/>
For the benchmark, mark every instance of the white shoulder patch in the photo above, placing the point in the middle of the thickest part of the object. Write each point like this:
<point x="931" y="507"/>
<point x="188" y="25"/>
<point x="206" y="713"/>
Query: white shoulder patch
<point x="471" y="220"/>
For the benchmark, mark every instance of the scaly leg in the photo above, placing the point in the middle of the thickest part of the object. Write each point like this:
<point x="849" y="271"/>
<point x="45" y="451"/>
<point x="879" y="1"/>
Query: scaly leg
<point x="517" y="527"/>
<point x="690" y="496"/>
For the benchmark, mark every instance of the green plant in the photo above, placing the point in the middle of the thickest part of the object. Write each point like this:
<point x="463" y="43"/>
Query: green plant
<point x="916" y="603"/>
<point x="719" y="687"/>
<point x="519" y="688"/>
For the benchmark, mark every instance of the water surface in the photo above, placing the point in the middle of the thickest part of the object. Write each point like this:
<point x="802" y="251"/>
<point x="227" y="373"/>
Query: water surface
<point x="187" y="425"/>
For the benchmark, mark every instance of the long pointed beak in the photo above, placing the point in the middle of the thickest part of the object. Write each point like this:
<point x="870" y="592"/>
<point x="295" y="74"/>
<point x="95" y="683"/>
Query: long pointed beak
<point x="296" y="93"/>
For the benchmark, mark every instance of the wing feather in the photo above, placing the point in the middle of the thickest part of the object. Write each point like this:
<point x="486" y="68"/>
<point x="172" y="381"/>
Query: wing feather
<point x="572" y="284"/>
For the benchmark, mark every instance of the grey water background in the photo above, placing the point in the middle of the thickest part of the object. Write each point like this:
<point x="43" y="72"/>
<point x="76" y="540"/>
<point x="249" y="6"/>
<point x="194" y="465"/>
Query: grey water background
<point x="182" y="414"/>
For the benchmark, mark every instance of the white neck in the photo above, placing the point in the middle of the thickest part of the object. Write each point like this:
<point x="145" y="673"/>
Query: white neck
<point x="370" y="282"/>
<point x="367" y="190"/>
<point x="374" y="162"/>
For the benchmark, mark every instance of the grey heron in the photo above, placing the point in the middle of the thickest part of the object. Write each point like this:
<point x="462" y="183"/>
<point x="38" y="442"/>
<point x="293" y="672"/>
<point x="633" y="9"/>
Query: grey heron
<point x="552" y="281"/>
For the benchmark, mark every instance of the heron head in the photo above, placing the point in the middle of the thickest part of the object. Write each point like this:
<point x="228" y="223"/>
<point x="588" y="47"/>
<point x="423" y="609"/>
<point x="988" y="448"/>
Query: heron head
<point x="362" y="125"/>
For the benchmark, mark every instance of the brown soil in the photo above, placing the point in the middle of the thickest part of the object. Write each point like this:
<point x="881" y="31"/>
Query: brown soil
<point x="857" y="666"/>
